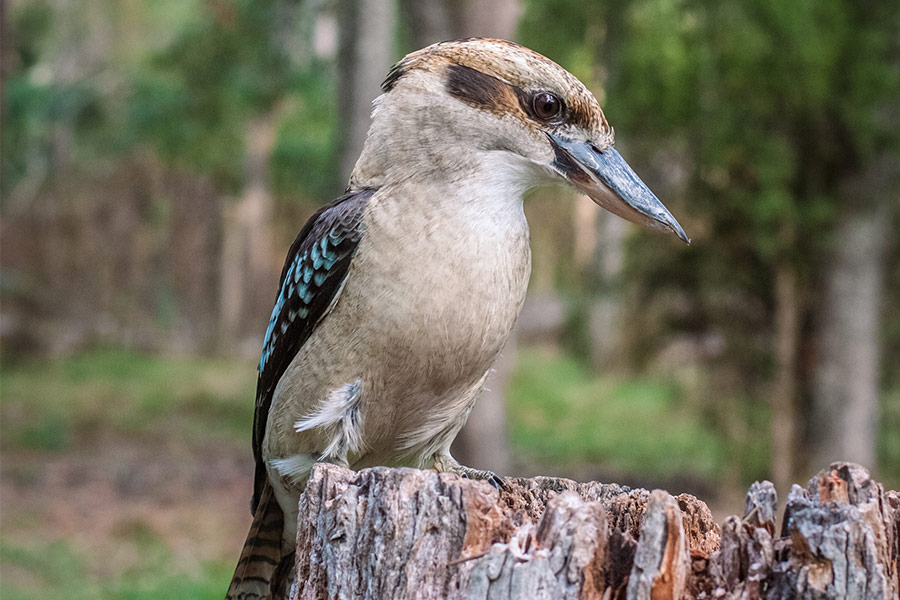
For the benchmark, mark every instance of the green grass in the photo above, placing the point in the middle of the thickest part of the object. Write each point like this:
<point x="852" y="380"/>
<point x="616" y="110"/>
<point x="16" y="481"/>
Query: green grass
<point x="49" y="407"/>
<point x="561" y="414"/>
<point x="47" y="403"/>
<point x="56" y="571"/>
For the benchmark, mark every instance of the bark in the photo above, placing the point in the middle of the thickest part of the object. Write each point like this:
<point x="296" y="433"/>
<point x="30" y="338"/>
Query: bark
<point x="403" y="533"/>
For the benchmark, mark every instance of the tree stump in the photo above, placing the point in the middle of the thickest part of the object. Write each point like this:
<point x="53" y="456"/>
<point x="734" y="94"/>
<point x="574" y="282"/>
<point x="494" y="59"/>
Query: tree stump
<point x="407" y="534"/>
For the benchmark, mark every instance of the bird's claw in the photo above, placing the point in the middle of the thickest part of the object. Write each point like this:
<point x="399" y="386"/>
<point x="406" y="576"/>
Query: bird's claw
<point x="447" y="464"/>
<point x="495" y="480"/>
<point x="487" y="476"/>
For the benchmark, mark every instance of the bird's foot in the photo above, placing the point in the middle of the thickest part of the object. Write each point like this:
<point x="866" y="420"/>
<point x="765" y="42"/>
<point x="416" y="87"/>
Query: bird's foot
<point x="447" y="464"/>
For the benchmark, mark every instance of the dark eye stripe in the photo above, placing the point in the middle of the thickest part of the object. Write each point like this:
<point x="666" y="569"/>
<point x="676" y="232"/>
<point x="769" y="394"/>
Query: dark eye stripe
<point x="491" y="93"/>
<point x="479" y="89"/>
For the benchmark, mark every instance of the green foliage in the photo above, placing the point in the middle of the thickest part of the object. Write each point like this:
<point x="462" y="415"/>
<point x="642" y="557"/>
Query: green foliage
<point x="767" y="105"/>
<point x="561" y="414"/>
<point x="49" y="433"/>
<point x="33" y="23"/>
<point x="52" y="565"/>
<point x="303" y="157"/>
<point x="59" y="407"/>
<point x="26" y="104"/>
<point x="560" y="28"/>
<point x="194" y="98"/>
<point x="666" y="68"/>
<point x="189" y="91"/>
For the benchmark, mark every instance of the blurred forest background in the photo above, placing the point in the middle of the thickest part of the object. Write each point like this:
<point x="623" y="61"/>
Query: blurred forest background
<point x="159" y="156"/>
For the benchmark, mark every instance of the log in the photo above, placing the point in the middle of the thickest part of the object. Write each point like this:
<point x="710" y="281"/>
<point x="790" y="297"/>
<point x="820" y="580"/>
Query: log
<point x="397" y="534"/>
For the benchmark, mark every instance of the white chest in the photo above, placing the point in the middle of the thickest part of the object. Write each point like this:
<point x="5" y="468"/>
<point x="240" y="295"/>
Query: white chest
<point x="448" y="279"/>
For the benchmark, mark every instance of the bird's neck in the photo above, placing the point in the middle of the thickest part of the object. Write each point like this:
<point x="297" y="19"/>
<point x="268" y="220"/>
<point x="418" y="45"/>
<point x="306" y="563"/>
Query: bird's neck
<point x="481" y="190"/>
<point x="459" y="177"/>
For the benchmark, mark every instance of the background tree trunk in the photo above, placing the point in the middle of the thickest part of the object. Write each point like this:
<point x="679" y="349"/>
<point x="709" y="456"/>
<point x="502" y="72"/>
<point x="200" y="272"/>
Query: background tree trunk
<point x="784" y="392"/>
<point x="433" y="21"/>
<point x="845" y="392"/>
<point x="8" y="58"/>
<point x="430" y="21"/>
<point x="483" y="441"/>
<point x="487" y="18"/>
<point x="403" y="533"/>
<point x="193" y="252"/>
<point x="603" y="272"/>
<point x="365" y="53"/>
<point x="248" y="275"/>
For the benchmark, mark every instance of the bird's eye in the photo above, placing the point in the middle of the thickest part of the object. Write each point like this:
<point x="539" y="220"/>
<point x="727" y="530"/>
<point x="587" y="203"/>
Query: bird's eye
<point x="546" y="105"/>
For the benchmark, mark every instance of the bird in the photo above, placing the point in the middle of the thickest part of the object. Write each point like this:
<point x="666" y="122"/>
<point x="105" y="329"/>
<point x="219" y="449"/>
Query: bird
<point x="396" y="298"/>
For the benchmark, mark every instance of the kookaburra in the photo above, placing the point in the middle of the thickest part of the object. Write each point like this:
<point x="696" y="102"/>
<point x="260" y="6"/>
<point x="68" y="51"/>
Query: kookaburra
<point x="396" y="298"/>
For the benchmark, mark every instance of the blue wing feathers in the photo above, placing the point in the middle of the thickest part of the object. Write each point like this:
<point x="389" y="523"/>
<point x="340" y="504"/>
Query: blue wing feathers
<point x="313" y="273"/>
<point x="315" y="265"/>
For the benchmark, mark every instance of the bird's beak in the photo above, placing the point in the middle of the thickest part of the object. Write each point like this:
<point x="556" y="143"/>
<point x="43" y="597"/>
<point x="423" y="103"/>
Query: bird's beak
<point x="610" y="182"/>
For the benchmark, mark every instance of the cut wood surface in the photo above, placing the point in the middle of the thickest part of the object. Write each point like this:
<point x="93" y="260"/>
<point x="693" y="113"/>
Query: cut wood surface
<point x="407" y="534"/>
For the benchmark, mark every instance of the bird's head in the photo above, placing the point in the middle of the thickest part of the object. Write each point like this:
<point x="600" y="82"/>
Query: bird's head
<point x="447" y="104"/>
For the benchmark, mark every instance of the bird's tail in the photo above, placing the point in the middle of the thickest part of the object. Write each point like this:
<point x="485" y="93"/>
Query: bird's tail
<point x="264" y="570"/>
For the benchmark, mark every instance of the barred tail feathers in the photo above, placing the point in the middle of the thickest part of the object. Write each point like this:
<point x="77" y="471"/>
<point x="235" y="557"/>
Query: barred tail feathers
<point x="263" y="572"/>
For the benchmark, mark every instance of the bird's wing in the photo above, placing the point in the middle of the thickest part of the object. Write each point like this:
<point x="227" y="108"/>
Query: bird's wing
<point x="311" y="279"/>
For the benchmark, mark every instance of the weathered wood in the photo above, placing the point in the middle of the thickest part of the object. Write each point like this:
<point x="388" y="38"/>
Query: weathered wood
<point x="408" y="534"/>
